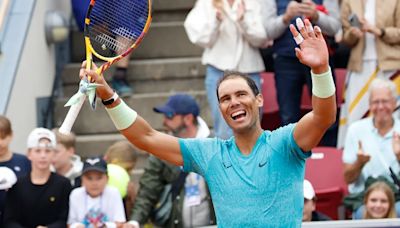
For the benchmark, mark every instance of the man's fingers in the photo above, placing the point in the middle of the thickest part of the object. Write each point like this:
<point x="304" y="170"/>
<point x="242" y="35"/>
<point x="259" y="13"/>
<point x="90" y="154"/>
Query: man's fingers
<point x="318" y="32"/>
<point x="309" y="28"/>
<point x="298" y="38"/>
<point x="359" y="145"/>
<point x="301" y="27"/>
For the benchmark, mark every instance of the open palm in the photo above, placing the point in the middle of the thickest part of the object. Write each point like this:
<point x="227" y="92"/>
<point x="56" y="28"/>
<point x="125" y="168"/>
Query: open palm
<point x="313" y="51"/>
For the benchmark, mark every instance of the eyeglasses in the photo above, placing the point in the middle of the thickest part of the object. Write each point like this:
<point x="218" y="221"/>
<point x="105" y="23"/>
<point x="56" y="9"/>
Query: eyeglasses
<point x="383" y="102"/>
<point x="169" y="115"/>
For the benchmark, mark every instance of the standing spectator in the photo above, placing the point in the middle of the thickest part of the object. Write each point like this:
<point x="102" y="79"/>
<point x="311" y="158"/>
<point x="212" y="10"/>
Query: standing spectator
<point x="372" y="31"/>
<point x="379" y="202"/>
<point x="290" y="74"/>
<point x="310" y="202"/>
<point x="41" y="198"/>
<point x="372" y="144"/>
<point x="66" y="163"/>
<point x="17" y="163"/>
<point x="230" y="33"/>
<point x="192" y="206"/>
<point x="95" y="204"/>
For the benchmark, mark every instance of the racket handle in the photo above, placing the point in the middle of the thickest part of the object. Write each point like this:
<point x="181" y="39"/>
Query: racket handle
<point x="71" y="116"/>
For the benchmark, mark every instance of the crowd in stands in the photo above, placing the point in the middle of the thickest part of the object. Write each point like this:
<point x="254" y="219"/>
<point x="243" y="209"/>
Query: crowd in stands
<point x="52" y="187"/>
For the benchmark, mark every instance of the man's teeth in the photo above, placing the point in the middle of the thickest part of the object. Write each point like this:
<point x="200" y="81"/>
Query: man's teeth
<point x="236" y="114"/>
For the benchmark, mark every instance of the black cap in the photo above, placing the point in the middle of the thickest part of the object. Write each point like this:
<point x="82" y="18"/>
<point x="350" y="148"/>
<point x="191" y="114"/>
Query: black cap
<point x="95" y="164"/>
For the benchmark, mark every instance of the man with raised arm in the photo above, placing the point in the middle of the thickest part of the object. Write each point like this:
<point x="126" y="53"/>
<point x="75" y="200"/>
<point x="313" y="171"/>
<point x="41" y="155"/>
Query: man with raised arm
<point x="256" y="177"/>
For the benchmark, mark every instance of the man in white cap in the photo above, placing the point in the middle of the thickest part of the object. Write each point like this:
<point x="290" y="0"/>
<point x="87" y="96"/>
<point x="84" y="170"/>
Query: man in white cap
<point x="310" y="200"/>
<point x="41" y="198"/>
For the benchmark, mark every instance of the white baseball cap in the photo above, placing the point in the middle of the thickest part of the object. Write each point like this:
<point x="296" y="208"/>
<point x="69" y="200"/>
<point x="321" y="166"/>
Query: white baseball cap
<point x="41" y="133"/>
<point x="308" y="190"/>
<point x="7" y="178"/>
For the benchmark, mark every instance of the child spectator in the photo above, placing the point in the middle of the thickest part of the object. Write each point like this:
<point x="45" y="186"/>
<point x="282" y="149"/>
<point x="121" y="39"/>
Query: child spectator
<point x="379" y="202"/>
<point x="310" y="202"/>
<point x="66" y="163"/>
<point x="41" y="198"/>
<point x="18" y="164"/>
<point x="121" y="158"/>
<point x="95" y="204"/>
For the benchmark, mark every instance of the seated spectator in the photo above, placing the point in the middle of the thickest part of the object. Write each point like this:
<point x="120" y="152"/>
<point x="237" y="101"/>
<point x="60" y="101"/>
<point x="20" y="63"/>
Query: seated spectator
<point x="66" y="163"/>
<point x="41" y="198"/>
<point x="9" y="162"/>
<point x="379" y="202"/>
<point x="121" y="158"/>
<point x="310" y="200"/>
<point x="371" y="148"/>
<point x="95" y="204"/>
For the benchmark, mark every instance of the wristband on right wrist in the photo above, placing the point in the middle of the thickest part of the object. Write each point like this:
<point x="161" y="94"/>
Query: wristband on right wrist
<point x="323" y="85"/>
<point x="122" y="116"/>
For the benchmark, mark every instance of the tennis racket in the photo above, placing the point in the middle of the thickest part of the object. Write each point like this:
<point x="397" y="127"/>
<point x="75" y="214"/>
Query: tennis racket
<point x="113" y="29"/>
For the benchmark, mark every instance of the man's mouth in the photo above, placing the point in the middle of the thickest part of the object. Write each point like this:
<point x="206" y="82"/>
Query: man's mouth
<point x="238" y="115"/>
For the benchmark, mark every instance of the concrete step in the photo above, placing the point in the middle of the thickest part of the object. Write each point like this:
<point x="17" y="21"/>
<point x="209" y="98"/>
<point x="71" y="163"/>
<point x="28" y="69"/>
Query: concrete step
<point x="98" y="122"/>
<point x="145" y="76"/>
<point x="172" y="5"/>
<point x="164" y="40"/>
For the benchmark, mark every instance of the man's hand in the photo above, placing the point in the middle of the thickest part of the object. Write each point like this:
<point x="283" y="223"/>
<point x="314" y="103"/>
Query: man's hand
<point x="362" y="157"/>
<point x="292" y="10"/>
<point x="313" y="51"/>
<point x="103" y="91"/>
<point x="367" y="27"/>
<point x="309" y="9"/>
<point x="356" y="32"/>
<point x="396" y="145"/>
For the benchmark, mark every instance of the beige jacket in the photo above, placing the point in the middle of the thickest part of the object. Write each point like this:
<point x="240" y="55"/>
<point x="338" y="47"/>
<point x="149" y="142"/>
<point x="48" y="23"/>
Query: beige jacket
<point x="388" y="46"/>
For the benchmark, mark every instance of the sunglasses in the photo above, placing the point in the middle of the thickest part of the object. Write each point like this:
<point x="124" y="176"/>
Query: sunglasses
<point x="169" y="115"/>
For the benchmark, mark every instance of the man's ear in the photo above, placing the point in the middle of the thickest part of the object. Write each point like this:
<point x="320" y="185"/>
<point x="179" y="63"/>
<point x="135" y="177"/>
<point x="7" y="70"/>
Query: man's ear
<point x="260" y="100"/>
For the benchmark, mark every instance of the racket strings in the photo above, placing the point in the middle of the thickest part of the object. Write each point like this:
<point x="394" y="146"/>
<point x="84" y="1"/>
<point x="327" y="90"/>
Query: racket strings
<point x="116" y="25"/>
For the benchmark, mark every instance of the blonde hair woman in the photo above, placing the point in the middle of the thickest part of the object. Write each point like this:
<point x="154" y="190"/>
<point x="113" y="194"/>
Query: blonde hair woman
<point x="379" y="202"/>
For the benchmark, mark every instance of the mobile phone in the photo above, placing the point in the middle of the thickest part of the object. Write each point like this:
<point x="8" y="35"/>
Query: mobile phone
<point x="354" y="21"/>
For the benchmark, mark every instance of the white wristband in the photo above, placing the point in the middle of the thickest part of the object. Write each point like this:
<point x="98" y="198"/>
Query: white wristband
<point x="323" y="85"/>
<point x="122" y="115"/>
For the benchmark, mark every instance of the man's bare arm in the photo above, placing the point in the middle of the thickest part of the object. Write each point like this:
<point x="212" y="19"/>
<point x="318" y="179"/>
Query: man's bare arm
<point x="139" y="133"/>
<point x="352" y="172"/>
<point x="313" y="52"/>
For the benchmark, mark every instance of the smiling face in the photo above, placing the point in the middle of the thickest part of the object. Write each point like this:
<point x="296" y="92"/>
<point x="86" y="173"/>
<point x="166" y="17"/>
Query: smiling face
<point x="238" y="104"/>
<point x="382" y="104"/>
<point x="377" y="204"/>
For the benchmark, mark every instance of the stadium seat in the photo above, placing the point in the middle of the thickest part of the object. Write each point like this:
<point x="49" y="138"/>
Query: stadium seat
<point x="271" y="119"/>
<point x="325" y="172"/>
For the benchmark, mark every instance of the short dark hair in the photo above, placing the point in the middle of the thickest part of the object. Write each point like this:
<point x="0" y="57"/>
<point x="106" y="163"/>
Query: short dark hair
<point x="5" y="127"/>
<point x="236" y="74"/>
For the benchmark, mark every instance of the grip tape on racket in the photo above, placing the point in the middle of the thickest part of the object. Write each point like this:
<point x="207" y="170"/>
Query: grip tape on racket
<point x="71" y="116"/>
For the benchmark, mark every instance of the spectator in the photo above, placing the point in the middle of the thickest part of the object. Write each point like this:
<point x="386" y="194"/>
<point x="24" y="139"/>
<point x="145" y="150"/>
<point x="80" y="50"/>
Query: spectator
<point x="372" y="146"/>
<point x="372" y="31"/>
<point x="230" y="32"/>
<point x="41" y="198"/>
<point x="9" y="161"/>
<point x="192" y="206"/>
<point x="95" y="204"/>
<point x="249" y="172"/>
<point x="290" y="74"/>
<point x="310" y="201"/>
<point x="121" y="158"/>
<point x="66" y="163"/>
<point x="379" y="202"/>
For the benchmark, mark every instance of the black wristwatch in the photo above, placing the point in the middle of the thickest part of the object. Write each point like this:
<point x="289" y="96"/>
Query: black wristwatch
<point x="111" y="99"/>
